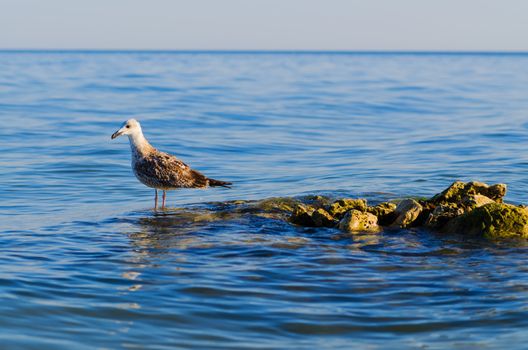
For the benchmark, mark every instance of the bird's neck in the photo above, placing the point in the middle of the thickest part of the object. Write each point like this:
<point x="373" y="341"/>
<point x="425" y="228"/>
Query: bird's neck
<point x="139" y="144"/>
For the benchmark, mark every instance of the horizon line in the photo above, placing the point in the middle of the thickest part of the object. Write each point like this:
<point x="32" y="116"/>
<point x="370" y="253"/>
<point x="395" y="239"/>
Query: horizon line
<point x="262" y="51"/>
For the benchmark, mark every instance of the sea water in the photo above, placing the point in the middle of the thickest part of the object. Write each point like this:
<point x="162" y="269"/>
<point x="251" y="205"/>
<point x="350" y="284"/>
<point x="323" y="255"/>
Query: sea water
<point x="87" y="263"/>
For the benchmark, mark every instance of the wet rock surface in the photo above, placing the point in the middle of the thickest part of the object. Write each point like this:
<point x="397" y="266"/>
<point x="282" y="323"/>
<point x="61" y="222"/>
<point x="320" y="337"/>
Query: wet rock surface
<point x="385" y="212"/>
<point x="359" y="221"/>
<point x="467" y="208"/>
<point x="493" y="221"/>
<point x="340" y="207"/>
<point x="407" y="212"/>
<point x="321" y="218"/>
<point x="442" y="214"/>
<point x="471" y="209"/>
<point x="459" y="190"/>
<point x="303" y="215"/>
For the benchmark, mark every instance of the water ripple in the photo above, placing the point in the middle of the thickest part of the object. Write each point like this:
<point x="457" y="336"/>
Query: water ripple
<point x="87" y="264"/>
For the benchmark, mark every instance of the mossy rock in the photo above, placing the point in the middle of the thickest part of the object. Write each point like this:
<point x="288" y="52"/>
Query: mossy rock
<point x="385" y="212"/>
<point x="316" y="201"/>
<point x="475" y="201"/>
<point x="442" y="214"/>
<point x="278" y="204"/>
<point x="237" y="202"/>
<point x="453" y="194"/>
<point x="302" y="215"/>
<point x="359" y="221"/>
<point x="407" y="212"/>
<point x="322" y="218"/>
<point x="493" y="221"/>
<point x="341" y="206"/>
<point x="459" y="190"/>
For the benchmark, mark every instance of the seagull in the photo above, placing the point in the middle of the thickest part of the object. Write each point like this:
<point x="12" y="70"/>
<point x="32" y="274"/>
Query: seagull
<point x="160" y="170"/>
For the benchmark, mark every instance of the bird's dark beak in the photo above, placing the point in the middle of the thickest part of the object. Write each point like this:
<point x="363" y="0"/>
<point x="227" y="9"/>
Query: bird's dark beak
<point x="117" y="134"/>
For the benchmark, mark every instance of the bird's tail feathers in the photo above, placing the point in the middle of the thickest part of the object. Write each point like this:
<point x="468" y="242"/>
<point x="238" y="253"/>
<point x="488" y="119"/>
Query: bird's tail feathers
<point x="217" y="183"/>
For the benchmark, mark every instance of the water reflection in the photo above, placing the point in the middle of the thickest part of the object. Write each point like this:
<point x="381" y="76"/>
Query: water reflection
<point x="215" y="225"/>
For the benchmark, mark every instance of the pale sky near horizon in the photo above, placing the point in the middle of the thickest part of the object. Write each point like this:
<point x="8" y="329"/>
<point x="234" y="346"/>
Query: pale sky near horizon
<point x="408" y="25"/>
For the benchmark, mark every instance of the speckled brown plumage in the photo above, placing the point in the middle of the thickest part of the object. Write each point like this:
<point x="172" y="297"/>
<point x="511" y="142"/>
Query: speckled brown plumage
<point x="161" y="170"/>
<point x="166" y="172"/>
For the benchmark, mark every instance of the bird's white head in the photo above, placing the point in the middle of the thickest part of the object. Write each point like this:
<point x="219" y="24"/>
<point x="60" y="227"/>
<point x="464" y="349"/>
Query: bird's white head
<point x="131" y="128"/>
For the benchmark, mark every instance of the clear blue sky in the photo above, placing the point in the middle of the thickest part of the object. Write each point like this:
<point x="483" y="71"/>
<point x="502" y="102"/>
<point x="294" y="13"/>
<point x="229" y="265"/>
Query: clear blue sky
<point x="468" y="25"/>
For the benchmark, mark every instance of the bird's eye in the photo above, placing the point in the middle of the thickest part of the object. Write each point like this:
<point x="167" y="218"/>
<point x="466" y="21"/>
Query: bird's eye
<point x="128" y="126"/>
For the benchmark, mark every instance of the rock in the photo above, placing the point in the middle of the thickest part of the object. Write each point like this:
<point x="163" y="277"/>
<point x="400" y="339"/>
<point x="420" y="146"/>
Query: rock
<point x="495" y="192"/>
<point x="442" y="214"/>
<point x="316" y="201"/>
<point x="358" y="221"/>
<point x="274" y="204"/>
<point x="459" y="190"/>
<point x="493" y="221"/>
<point x="302" y="215"/>
<point x="475" y="201"/>
<point x="384" y="211"/>
<point x="461" y="198"/>
<point x="452" y="194"/>
<point x="384" y="208"/>
<point x="321" y="218"/>
<point x="407" y="212"/>
<point x="472" y="208"/>
<point x="340" y="207"/>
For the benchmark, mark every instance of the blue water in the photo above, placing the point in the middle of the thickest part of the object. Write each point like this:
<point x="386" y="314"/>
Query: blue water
<point x="86" y="263"/>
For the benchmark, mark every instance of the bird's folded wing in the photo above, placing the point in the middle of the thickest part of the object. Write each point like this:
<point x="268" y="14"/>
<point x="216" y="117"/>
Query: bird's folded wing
<point x="169" y="171"/>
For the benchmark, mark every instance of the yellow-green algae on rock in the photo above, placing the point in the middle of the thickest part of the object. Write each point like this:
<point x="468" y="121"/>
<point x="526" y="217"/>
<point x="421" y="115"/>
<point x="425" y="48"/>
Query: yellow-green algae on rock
<point x="322" y="218"/>
<point x="302" y="215"/>
<point x="382" y="209"/>
<point x="349" y="215"/>
<point x="468" y="208"/>
<point x="284" y="204"/>
<point x="493" y="221"/>
<point x="471" y="208"/>
<point x="340" y="207"/>
<point x="459" y="190"/>
<point x="359" y="221"/>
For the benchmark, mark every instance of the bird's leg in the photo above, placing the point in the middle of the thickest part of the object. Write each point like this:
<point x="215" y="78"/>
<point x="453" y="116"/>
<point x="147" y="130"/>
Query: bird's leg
<point x="156" y="199"/>
<point x="163" y="203"/>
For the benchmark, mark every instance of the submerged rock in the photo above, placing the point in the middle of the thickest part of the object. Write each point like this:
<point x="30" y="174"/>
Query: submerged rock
<point x="340" y="207"/>
<point x="283" y="204"/>
<point x="493" y="221"/>
<point x="316" y="201"/>
<point x="358" y="221"/>
<point x="407" y="212"/>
